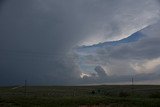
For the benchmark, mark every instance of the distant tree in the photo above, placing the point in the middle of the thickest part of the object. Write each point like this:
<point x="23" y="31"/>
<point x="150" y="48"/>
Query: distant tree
<point x="123" y="94"/>
<point x="93" y="92"/>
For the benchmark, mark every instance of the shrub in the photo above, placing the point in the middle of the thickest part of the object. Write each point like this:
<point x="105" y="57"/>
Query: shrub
<point x="93" y="92"/>
<point x="155" y="95"/>
<point x="123" y="94"/>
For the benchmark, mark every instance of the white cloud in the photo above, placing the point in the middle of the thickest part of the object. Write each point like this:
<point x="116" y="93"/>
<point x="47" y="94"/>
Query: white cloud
<point x="147" y="66"/>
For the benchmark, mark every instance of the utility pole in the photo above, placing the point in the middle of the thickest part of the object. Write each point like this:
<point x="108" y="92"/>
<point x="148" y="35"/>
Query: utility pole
<point x="132" y="84"/>
<point x="25" y="87"/>
<point x="132" y="81"/>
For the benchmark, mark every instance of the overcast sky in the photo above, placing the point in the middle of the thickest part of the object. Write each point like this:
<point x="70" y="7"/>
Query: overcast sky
<point x="38" y="38"/>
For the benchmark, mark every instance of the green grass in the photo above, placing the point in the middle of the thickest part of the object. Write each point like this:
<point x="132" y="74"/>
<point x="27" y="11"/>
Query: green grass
<point x="75" y="96"/>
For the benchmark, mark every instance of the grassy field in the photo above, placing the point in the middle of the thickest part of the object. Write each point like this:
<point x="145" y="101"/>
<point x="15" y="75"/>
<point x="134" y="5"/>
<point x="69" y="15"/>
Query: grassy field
<point x="81" y="96"/>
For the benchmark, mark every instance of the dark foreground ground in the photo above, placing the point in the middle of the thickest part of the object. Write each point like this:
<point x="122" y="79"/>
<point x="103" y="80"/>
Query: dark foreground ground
<point x="81" y="96"/>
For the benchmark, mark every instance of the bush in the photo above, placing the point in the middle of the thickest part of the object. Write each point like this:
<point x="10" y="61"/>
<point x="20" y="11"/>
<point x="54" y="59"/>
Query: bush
<point x="123" y="94"/>
<point x="155" y="95"/>
<point x="93" y="92"/>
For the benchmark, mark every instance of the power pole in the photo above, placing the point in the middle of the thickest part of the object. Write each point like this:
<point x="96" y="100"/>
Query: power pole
<point x="132" y="85"/>
<point x="25" y="87"/>
<point x="132" y="81"/>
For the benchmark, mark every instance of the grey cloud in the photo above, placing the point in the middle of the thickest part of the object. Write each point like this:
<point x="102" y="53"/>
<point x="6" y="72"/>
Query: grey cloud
<point x="1" y="4"/>
<point x="100" y="72"/>
<point x="142" y="78"/>
<point x="36" y="36"/>
<point x="118" y="60"/>
<point x="147" y="48"/>
<point x="123" y="19"/>
<point x="34" y="43"/>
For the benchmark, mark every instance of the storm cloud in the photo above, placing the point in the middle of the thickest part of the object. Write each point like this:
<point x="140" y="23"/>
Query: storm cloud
<point x="140" y="58"/>
<point x="37" y="37"/>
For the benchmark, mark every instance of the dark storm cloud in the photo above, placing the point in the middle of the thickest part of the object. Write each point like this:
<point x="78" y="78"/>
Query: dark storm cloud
<point x="36" y="36"/>
<point x="34" y="42"/>
<point x="1" y="4"/>
<point x="35" y="29"/>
